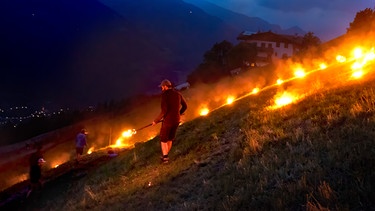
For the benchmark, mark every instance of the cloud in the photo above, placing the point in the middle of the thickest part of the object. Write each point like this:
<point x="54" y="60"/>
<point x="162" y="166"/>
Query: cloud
<point x="327" y="19"/>
<point x="294" y="5"/>
<point x="305" y="5"/>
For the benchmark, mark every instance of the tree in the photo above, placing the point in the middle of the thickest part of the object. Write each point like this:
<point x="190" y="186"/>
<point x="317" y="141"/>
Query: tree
<point x="242" y="55"/>
<point x="309" y="47"/>
<point x="310" y="40"/>
<point x="364" y="21"/>
<point x="218" y="53"/>
<point x="214" y="64"/>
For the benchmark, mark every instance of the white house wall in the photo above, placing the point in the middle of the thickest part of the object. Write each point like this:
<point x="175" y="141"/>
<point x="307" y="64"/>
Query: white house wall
<point x="277" y="51"/>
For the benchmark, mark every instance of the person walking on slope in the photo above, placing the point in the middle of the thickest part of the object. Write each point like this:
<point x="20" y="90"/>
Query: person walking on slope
<point x="173" y="105"/>
<point x="80" y="144"/>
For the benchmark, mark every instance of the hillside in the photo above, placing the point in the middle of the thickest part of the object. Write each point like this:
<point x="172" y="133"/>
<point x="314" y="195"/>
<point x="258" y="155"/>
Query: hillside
<point x="305" y="144"/>
<point x="69" y="53"/>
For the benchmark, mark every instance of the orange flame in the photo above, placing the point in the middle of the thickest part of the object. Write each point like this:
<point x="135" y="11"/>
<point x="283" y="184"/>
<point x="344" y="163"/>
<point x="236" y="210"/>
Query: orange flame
<point x="322" y="66"/>
<point x="369" y="56"/>
<point x="357" y="74"/>
<point x="340" y="58"/>
<point x="255" y="90"/>
<point x="285" y="99"/>
<point x="358" y="52"/>
<point x="90" y="150"/>
<point x="128" y="133"/>
<point x="279" y="81"/>
<point x="357" y="65"/>
<point x="204" y="111"/>
<point x="299" y="73"/>
<point x="230" y="100"/>
<point x="118" y="142"/>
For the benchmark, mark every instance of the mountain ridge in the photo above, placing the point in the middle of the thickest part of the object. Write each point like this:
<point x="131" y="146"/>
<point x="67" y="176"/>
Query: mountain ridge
<point x="66" y="53"/>
<point x="243" y="22"/>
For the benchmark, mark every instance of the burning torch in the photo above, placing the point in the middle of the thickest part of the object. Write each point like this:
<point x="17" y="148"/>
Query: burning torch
<point x="134" y="131"/>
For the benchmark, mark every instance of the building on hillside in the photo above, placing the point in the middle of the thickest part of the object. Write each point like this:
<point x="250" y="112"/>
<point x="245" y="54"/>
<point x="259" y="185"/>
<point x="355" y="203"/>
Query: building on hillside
<point x="271" y="46"/>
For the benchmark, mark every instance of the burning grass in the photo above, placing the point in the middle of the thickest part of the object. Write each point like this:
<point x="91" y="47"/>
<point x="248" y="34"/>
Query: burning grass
<point x="316" y="154"/>
<point x="303" y="141"/>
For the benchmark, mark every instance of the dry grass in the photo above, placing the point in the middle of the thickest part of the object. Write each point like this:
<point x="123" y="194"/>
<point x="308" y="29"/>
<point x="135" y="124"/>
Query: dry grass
<point x="317" y="154"/>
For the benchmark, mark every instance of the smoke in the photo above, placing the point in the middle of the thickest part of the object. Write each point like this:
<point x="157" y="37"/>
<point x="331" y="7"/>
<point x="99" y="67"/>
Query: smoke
<point x="322" y="71"/>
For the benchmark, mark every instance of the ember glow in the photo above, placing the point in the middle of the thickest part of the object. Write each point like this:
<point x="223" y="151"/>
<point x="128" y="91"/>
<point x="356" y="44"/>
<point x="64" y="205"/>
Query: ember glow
<point x="299" y="73"/>
<point x="120" y="144"/>
<point x="230" y="100"/>
<point x="369" y="56"/>
<point x="56" y="164"/>
<point x="90" y="150"/>
<point x="358" y="53"/>
<point x="204" y="111"/>
<point x="255" y="90"/>
<point x="322" y="66"/>
<point x="284" y="99"/>
<point x="128" y="133"/>
<point x="357" y="74"/>
<point x="17" y="179"/>
<point x="340" y="58"/>
<point x="279" y="81"/>
<point x="357" y="66"/>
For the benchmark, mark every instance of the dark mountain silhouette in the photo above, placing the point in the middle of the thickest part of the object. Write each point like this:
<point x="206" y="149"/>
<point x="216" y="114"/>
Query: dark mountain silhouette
<point x="80" y="53"/>
<point x="67" y="51"/>
<point x="242" y="22"/>
<point x="61" y="50"/>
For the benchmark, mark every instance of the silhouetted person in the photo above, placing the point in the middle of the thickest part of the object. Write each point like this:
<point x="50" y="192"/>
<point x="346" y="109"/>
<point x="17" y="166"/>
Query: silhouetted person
<point x="35" y="172"/>
<point x="173" y="105"/>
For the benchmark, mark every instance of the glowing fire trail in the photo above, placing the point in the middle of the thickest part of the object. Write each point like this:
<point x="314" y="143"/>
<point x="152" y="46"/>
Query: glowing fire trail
<point x="300" y="73"/>
<point x="359" y="59"/>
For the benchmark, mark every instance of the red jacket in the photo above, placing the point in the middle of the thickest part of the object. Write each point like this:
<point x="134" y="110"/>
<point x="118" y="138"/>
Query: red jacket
<point x="173" y="105"/>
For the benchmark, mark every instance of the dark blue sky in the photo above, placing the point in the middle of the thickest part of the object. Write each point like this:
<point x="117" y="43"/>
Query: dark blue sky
<point x="326" y="18"/>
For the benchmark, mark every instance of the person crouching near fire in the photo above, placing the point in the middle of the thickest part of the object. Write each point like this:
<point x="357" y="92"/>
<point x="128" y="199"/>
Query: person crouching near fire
<point x="173" y="105"/>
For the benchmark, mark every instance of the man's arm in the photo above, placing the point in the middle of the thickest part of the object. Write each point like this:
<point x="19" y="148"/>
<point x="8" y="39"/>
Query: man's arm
<point x="164" y="108"/>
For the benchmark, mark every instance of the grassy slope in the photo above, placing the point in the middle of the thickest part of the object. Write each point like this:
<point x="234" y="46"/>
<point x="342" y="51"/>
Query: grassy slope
<point x="315" y="154"/>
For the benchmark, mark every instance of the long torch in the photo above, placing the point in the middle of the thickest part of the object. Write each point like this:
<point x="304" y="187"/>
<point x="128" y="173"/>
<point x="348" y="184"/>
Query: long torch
<point x="141" y="128"/>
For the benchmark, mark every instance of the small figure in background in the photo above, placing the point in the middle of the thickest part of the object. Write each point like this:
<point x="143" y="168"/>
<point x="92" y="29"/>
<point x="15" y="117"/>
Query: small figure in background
<point x="81" y="143"/>
<point x="35" y="173"/>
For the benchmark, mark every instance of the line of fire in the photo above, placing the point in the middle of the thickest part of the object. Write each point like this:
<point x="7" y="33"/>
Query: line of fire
<point x="359" y="59"/>
<point x="293" y="81"/>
